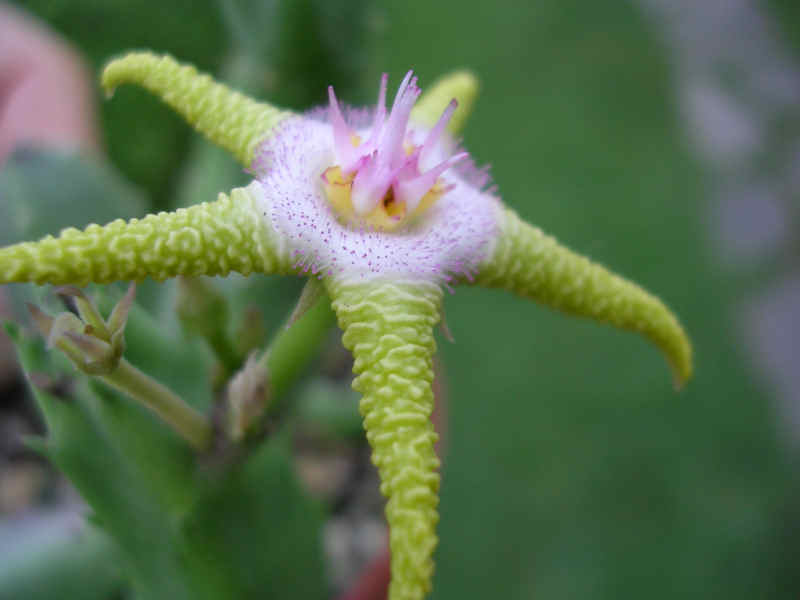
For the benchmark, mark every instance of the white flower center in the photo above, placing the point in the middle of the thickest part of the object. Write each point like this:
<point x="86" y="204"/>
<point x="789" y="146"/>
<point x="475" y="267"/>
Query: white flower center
<point x="384" y="207"/>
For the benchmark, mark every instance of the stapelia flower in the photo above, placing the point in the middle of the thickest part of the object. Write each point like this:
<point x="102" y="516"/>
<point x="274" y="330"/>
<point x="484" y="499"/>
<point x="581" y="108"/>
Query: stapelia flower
<point x="386" y="209"/>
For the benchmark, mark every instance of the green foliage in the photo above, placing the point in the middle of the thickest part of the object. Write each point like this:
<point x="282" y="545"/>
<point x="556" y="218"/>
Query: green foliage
<point x="788" y="19"/>
<point x="262" y="502"/>
<point x="301" y="46"/>
<point x="75" y="565"/>
<point x="183" y="527"/>
<point x="44" y="191"/>
<point x="151" y="154"/>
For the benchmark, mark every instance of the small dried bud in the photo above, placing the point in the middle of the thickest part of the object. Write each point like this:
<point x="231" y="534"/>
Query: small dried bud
<point x="94" y="345"/>
<point x="248" y="398"/>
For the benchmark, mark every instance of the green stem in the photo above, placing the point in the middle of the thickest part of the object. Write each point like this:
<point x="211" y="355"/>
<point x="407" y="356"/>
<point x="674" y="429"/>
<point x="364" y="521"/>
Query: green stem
<point x="292" y="349"/>
<point x="190" y="424"/>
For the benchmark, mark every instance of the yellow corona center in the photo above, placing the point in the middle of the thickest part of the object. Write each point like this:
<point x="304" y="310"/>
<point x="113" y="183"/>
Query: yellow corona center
<point x="388" y="214"/>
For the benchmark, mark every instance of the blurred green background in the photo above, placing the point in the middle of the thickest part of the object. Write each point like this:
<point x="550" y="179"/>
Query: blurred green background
<point x="573" y="469"/>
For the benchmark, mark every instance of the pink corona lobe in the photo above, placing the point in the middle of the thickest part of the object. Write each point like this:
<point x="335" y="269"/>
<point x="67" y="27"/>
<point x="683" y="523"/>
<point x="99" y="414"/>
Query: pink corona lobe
<point x="387" y="178"/>
<point x="370" y="193"/>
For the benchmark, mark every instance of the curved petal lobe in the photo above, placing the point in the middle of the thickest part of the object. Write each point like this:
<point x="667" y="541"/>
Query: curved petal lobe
<point x="536" y="266"/>
<point x="212" y="238"/>
<point x="230" y="119"/>
<point x="461" y="85"/>
<point x="389" y="329"/>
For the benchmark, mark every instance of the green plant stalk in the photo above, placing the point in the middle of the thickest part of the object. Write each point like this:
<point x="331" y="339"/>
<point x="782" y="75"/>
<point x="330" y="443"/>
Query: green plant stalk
<point x="189" y="423"/>
<point x="292" y="349"/>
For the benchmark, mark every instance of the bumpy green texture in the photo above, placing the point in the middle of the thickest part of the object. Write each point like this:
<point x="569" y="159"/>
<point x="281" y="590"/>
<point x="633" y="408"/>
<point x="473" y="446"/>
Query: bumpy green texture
<point x="228" y="118"/>
<point x="212" y="238"/>
<point x="461" y="85"/>
<point x="389" y="329"/>
<point x="534" y="265"/>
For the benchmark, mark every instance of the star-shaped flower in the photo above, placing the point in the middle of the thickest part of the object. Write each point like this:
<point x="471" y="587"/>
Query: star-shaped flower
<point x="384" y="208"/>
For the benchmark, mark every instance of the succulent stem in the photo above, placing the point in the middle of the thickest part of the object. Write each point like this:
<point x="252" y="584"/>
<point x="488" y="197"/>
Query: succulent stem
<point x="189" y="423"/>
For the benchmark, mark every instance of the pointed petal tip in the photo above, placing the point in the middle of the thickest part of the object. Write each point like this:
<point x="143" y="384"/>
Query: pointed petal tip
<point x="665" y="331"/>
<point x="228" y="118"/>
<point x="117" y="69"/>
<point x="682" y="368"/>
<point x="534" y="265"/>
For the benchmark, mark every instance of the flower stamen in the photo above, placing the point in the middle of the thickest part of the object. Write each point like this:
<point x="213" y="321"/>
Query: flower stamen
<point x="388" y="179"/>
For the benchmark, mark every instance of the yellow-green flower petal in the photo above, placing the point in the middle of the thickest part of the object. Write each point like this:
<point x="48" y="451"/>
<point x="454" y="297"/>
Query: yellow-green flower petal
<point x="536" y="266"/>
<point x="228" y="118"/>
<point x="212" y="238"/>
<point x="389" y="329"/>
<point x="461" y="85"/>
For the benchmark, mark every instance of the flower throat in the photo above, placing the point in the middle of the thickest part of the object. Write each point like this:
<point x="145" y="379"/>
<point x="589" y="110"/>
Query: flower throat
<point x="385" y="181"/>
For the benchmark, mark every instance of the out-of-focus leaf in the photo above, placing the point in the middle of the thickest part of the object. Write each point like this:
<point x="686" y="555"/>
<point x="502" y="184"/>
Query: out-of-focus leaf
<point x="121" y="492"/>
<point x="301" y="47"/>
<point x="78" y="565"/>
<point x="116" y="488"/>
<point x="251" y="24"/>
<point x="183" y="530"/>
<point x="146" y="140"/>
<point x="45" y="191"/>
<point x="788" y="19"/>
<point x="257" y="530"/>
<point x="318" y="43"/>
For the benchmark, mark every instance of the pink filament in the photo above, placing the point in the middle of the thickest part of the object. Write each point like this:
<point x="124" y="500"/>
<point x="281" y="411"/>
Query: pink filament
<point x="381" y="161"/>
